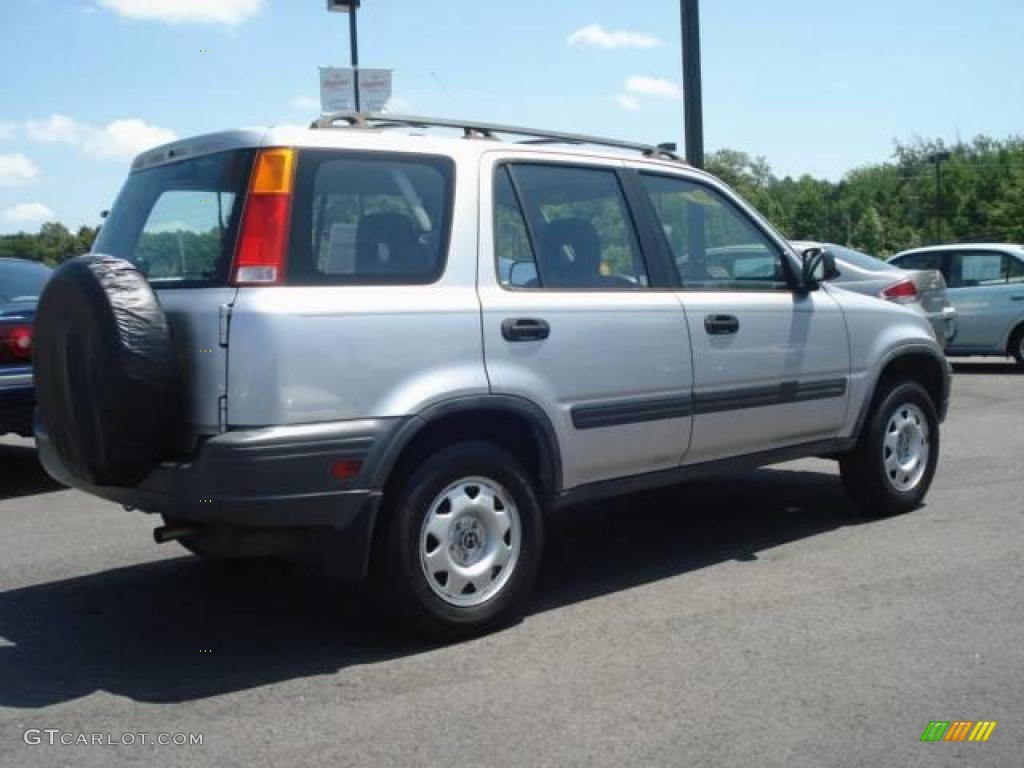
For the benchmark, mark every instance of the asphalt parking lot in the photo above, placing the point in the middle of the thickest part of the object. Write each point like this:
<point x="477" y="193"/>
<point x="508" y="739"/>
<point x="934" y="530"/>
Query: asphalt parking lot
<point x="749" y="620"/>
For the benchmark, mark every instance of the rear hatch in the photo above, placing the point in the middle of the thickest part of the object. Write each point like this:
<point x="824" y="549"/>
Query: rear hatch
<point x="177" y="221"/>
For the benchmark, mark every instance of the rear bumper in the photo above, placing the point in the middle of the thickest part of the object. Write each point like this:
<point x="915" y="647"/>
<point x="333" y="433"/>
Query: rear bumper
<point x="17" y="401"/>
<point x="270" y="478"/>
<point x="944" y="325"/>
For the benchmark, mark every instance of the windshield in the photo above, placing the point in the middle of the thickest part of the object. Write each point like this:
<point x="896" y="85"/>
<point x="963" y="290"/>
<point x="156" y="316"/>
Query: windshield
<point x="861" y="260"/>
<point x="21" y="280"/>
<point x="177" y="222"/>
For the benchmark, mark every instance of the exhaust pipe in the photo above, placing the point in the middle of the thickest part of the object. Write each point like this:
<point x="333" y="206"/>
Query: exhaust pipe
<point x="174" y="532"/>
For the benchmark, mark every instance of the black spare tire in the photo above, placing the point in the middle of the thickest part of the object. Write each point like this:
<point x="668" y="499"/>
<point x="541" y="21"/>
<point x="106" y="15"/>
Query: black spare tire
<point x="106" y="374"/>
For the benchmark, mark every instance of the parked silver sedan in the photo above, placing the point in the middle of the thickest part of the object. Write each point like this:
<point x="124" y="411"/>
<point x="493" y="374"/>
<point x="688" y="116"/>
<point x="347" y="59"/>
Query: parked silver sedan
<point x="986" y="285"/>
<point x="923" y="289"/>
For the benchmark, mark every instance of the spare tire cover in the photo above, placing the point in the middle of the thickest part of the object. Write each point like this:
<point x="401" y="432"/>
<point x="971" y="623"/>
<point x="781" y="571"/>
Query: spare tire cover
<point x="106" y="374"/>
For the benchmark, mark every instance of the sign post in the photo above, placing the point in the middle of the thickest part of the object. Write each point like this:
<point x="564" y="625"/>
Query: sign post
<point x="350" y="7"/>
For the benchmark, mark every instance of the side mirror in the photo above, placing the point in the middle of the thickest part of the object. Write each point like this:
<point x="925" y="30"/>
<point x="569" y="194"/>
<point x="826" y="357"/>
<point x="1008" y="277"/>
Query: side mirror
<point x="818" y="266"/>
<point x="522" y="273"/>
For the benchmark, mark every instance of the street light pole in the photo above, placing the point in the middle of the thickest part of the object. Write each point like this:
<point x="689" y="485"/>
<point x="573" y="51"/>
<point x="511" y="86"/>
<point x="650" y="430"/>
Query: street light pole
<point x="938" y="158"/>
<point x="694" y="120"/>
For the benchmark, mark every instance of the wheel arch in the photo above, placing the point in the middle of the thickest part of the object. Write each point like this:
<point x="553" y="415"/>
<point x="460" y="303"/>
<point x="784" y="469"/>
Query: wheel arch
<point x="919" y="363"/>
<point x="515" y="423"/>
<point x="1016" y="330"/>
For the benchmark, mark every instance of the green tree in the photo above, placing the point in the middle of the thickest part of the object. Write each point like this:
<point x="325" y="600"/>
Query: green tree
<point x="869" y="233"/>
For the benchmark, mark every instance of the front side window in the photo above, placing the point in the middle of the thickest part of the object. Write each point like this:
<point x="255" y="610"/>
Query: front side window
<point x="977" y="268"/>
<point x="714" y="245"/>
<point x="1015" y="272"/>
<point x="178" y="222"/>
<point x="562" y="227"/>
<point x="370" y="218"/>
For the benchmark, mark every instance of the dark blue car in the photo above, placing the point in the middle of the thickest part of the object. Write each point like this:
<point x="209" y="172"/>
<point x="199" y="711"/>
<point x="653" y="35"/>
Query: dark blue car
<point x="21" y="282"/>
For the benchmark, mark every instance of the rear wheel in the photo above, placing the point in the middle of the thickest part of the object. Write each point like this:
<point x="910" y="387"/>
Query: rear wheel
<point x="464" y="542"/>
<point x="891" y="469"/>
<point x="1016" y="349"/>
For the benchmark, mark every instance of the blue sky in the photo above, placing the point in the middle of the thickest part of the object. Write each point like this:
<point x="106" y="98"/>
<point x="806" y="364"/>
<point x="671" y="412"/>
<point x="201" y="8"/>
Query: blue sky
<point x="816" y="87"/>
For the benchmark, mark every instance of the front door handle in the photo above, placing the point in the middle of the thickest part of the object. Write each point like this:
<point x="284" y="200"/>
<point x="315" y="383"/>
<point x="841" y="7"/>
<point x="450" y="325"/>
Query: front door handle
<point x="718" y="325"/>
<point x="525" y="329"/>
<point x="1017" y="298"/>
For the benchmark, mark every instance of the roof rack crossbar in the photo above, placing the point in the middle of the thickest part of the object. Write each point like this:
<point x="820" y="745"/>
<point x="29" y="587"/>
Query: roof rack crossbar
<point x="472" y="130"/>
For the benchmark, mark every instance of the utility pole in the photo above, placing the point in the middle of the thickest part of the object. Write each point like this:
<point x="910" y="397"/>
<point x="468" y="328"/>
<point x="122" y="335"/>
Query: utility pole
<point x="938" y="158"/>
<point x="694" y="117"/>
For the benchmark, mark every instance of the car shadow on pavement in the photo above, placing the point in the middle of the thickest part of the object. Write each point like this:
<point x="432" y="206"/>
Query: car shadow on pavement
<point x="179" y="629"/>
<point x="988" y="367"/>
<point x="21" y="474"/>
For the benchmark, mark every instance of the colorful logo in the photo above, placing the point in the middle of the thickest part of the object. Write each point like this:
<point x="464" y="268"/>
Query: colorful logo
<point x="958" y="730"/>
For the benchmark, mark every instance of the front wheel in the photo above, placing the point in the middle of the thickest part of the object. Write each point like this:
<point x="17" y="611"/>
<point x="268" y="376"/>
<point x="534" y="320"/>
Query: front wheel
<point x="1017" y="346"/>
<point x="891" y="469"/>
<point x="464" y="542"/>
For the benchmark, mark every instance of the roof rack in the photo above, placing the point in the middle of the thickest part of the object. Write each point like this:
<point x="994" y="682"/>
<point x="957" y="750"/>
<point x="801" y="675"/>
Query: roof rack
<point x="474" y="130"/>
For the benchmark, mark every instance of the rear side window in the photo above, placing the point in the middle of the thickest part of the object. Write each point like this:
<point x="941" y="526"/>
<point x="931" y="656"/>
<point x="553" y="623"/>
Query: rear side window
<point x="370" y="218"/>
<point x="926" y="260"/>
<point x="178" y="222"/>
<point x="564" y="227"/>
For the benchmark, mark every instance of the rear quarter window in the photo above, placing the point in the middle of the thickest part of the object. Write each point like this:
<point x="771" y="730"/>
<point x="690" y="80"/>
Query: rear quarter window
<point x="370" y="218"/>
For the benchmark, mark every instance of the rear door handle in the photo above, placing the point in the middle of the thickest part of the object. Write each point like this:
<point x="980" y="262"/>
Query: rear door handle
<point x="718" y="325"/>
<point x="1017" y="298"/>
<point x="525" y="329"/>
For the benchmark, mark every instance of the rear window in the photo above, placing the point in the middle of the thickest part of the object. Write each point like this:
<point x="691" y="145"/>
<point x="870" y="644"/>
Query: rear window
<point x="369" y="218"/>
<point x="178" y="222"/>
<point x="861" y="260"/>
<point x="21" y="281"/>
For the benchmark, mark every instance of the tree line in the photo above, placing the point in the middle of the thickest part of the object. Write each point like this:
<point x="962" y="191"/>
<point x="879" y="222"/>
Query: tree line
<point x="895" y="205"/>
<point x="879" y="209"/>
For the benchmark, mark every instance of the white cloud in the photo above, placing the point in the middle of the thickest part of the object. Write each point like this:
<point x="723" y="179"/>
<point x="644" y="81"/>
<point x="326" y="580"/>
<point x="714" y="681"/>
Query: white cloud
<point x="117" y="140"/>
<point x="229" y="12"/>
<point x="29" y="213"/>
<point x="304" y="104"/>
<point x="124" y="139"/>
<point x="599" y="37"/>
<point x="16" y="170"/>
<point x="56" y="128"/>
<point x="654" y="86"/>
<point x="627" y="102"/>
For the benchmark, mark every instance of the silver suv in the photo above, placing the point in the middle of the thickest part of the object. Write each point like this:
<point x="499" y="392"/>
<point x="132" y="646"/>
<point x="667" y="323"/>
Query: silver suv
<point x="401" y="351"/>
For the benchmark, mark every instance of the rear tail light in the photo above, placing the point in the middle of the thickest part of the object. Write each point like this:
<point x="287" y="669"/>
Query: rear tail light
<point x="261" y="256"/>
<point x="16" y="343"/>
<point x="903" y="292"/>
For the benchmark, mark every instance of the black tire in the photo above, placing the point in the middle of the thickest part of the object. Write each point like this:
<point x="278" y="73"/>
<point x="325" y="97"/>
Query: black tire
<point x="400" y="574"/>
<point x="1016" y="350"/>
<point x="106" y="373"/>
<point x="865" y="476"/>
